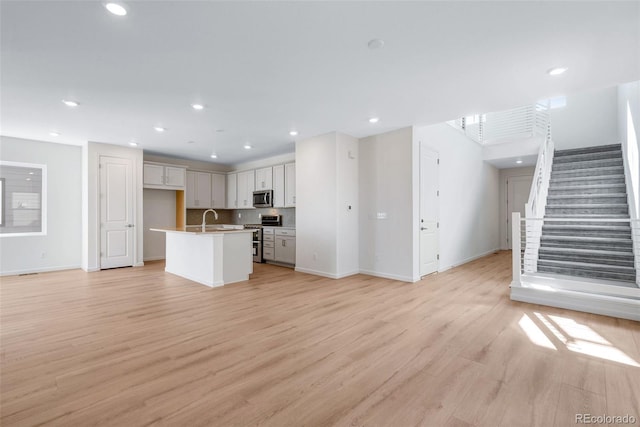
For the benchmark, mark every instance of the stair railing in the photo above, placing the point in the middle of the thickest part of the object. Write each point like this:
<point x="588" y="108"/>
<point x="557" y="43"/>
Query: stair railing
<point x="536" y="206"/>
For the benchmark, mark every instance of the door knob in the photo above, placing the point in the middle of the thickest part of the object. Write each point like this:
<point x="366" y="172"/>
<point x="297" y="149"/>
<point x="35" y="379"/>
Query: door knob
<point x="423" y="228"/>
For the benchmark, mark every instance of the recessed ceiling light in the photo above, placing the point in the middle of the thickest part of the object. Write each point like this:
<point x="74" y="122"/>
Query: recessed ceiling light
<point x="69" y="103"/>
<point x="133" y="144"/>
<point x="116" y="8"/>
<point x="28" y="179"/>
<point x="556" y="71"/>
<point x="293" y="133"/>
<point x="214" y="156"/>
<point x="159" y="129"/>
<point x="31" y="173"/>
<point x="375" y="44"/>
<point x="54" y="133"/>
<point x="247" y="147"/>
<point x="374" y="120"/>
<point x="518" y="161"/>
<point x="197" y="106"/>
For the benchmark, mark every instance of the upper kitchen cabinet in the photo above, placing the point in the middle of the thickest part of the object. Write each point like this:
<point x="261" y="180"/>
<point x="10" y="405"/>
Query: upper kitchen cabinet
<point x="218" y="191"/>
<point x="278" y="186"/>
<point x="290" y="185"/>
<point x="264" y="179"/>
<point x="246" y="186"/>
<point x="198" y="190"/>
<point x="232" y="191"/>
<point x="168" y="177"/>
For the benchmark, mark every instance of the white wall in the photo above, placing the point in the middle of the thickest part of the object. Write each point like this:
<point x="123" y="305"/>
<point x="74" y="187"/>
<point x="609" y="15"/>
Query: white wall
<point x="469" y="196"/>
<point x="387" y="187"/>
<point x="316" y="187"/>
<point x="629" y="134"/>
<point x="504" y="215"/>
<point x="589" y="119"/>
<point x="347" y="164"/>
<point x="91" y="207"/>
<point x="61" y="247"/>
<point x="326" y="183"/>
<point x="159" y="211"/>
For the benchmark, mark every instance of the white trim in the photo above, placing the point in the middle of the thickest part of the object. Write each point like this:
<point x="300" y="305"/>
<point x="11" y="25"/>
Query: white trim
<point x="40" y="270"/>
<point x="154" y="258"/>
<point x="389" y="276"/>
<point x="583" y="285"/>
<point x="197" y="281"/>
<point x="139" y="264"/>
<point x="316" y="272"/>
<point x="624" y="308"/>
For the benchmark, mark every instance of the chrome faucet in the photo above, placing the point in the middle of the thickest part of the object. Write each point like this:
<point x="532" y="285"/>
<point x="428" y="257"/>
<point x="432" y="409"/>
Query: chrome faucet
<point x="204" y="217"/>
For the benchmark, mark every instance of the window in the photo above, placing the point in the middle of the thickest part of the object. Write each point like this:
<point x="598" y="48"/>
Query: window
<point x="23" y="199"/>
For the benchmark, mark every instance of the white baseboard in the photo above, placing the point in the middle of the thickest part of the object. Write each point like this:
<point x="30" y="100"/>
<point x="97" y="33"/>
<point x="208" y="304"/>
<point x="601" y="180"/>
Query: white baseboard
<point x="317" y="273"/>
<point x="624" y="308"/>
<point x="155" y="258"/>
<point x="40" y="270"/>
<point x="388" y="276"/>
<point x="139" y="264"/>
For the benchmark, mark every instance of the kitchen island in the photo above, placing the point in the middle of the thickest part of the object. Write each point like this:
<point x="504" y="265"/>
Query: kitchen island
<point x="212" y="256"/>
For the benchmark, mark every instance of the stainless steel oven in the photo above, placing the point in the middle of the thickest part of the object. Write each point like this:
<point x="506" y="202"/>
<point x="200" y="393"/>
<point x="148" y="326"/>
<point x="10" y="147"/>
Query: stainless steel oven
<point x="256" y="241"/>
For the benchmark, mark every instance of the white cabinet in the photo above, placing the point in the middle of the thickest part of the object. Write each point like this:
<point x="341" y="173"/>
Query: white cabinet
<point x="290" y="185"/>
<point x="264" y="178"/>
<point x="268" y="244"/>
<point x="279" y="245"/>
<point x="157" y="175"/>
<point x="218" y="190"/>
<point x="246" y="186"/>
<point x="232" y="191"/>
<point x="198" y="190"/>
<point x="278" y="186"/>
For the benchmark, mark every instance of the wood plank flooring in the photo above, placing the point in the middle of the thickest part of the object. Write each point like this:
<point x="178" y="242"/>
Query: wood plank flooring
<point x="138" y="346"/>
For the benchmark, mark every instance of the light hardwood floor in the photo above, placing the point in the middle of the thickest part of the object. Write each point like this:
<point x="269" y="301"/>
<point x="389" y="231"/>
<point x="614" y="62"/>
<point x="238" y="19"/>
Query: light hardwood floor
<point x="137" y="346"/>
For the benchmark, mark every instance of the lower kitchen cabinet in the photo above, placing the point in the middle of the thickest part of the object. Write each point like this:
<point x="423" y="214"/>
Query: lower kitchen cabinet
<point x="279" y="245"/>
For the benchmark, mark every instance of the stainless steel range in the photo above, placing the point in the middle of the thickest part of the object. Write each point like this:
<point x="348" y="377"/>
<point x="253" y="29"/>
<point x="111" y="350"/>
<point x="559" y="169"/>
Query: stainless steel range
<point x="267" y="220"/>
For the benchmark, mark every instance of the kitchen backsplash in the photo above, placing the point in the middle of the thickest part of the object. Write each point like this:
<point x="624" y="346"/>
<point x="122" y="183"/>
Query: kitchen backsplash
<point x="247" y="216"/>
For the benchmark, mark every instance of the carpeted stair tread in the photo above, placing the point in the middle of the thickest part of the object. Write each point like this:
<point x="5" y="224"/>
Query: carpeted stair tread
<point x="589" y="266"/>
<point x="589" y="251"/>
<point x="597" y="155"/>
<point x="586" y="227"/>
<point x="573" y="272"/>
<point x="587" y="164"/>
<point x="587" y="180"/>
<point x="594" y="149"/>
<point x="587" y="238"/>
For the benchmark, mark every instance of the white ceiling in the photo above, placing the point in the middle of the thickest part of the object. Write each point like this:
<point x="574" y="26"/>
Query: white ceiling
<point x="264" y="68"/>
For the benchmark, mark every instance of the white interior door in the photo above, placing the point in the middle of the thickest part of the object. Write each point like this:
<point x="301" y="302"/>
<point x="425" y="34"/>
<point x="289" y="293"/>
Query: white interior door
<point x="116" y="212"/>
<point x="428" y="210"/>
<point x="518" y="188"/>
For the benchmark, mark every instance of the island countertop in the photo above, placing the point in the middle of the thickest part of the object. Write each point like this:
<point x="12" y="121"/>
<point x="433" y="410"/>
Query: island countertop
<point x="209" y="229"/>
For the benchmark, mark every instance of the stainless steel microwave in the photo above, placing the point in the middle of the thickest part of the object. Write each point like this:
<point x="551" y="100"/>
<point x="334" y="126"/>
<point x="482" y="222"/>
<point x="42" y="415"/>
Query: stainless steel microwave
<point x="263" y="199"/>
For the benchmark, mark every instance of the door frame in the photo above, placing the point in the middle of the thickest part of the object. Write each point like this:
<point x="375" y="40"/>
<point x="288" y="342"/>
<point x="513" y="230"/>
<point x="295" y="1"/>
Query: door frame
<point x="424" y="146"/>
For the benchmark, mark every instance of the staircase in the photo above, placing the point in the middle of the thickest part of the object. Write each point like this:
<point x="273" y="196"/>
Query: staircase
<point x="587" y="188"/>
